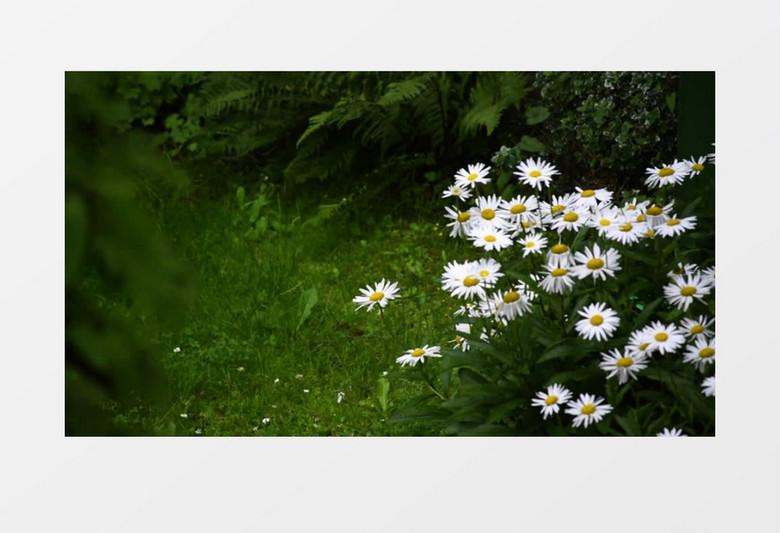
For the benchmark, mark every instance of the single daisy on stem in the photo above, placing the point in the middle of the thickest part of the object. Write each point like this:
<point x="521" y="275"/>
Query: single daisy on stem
<point x="588" y="409"/>
<point x="380" y="294"/>
<point x="551" y="401"/>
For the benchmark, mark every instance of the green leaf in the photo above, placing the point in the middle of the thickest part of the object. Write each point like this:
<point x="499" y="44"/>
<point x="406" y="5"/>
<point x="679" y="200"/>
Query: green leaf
<point x="670" y="101"/>
<point x="382" y="389"/>
<point x="240" y="196"/>
<point x="308" y="299"/>
<point x="645" y="314"/>
<point x="536" y="114"/>
<point x="315" y="123"/>
<point x="530" y="144"/>
<point x="564" y="349"/>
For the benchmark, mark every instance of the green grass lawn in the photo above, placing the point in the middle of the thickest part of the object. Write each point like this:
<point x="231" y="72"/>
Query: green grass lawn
<point x="273" y="338"/>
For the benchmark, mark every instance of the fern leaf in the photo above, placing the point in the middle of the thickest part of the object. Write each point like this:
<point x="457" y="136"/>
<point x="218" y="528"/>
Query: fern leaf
<point x="315" y="123"/>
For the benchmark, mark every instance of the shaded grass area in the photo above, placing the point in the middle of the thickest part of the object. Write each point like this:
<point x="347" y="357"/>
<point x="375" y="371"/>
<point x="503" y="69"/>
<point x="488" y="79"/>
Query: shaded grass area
<point x="274" y="340"/>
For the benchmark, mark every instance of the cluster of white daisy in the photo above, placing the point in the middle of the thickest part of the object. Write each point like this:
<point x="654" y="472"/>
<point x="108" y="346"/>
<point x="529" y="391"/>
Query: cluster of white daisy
<point x="547" y="232"/>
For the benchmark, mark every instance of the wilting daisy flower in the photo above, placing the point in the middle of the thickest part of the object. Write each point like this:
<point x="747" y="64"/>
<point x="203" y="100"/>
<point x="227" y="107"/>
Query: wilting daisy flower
<point x="698" y="327"/>
<point x="383" y="292"/>
<point x="683" y="289"/>
<point x="603" y="218"/>
<point x="626" y="232"/>
<point x="460" y="342"/>
<point x="673" y="174"/>
<point x="598" y="321"/>
<point x="559" y="256"/>
<point x="624" y="365"/>
<point x="558" y="279"/>
<point x="462" y="280"/>
<point x="665" y="339"/>
<point x="708" y="386"/>
<point x="591" y="198"/>
<point x="596" y="263"/>
<point x="695" y="166"/>
<point x="475" y="174"/>
<point x="655" y="215"/>
<point x="587" y="409"/>
<point x="418" y="355"/>
<point x="456" y="191"/>
<point x="533" y="243"/>
<point x="701" y="354"/>
<point x="461" y="222"/>
<point x="489" y="238"/>
<point x="487" y="214"/>
<point x="639" y="342"/>
<point x="489" y="271"/>
<point x="674" y="432"/>
<point x="536" y="173"/>
<point x="572" y="218"/>
<point x="510" y="304"/>
<point x="675" y="226"/>
<point x="552" y="400"/>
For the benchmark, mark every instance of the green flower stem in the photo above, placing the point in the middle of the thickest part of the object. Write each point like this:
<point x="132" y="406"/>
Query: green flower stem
<point x="428" y="381"/>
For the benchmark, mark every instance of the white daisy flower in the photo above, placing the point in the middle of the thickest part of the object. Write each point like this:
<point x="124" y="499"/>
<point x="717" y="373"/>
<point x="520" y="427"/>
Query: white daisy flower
<point x="626" y="232"/>
<point x="603" y="218"/>
<point x="701" y="354"/>
<point x="519" y="208"/>
<point x="418" y="355"/>
<point x="665" y="339"/>
<point x="536" y="173"/>
<point x="380" y="294"/>
<point x="558" y="280"/>
<point x="177" y="349"/>
<point x="558" y="205"/>
<point x="655" y="215"/>
<point x="682" y="269"/>
<point x="674" y="432"/>
<point x="708" y="275"/>
<point x="533" y="243"/>
<point x="487" y="214"/>
<point x="598" y="321"/>
<point x="572" y="218"/>
<point x="552" y="400"/>
<point x="559" y="255"/>
<point x="489" y="271"/>
<point x="635" y="208"/>
<point x="596" y="263"/>
<point x="467" y="178"/>
<point x="683" y="289"/>
<point x="469" y="309"/>
<point x="675" y="226"/>
<point x="489" y="238"/>
<point x="698" y="327"/>
<point x="640" y="342"/>
<point x="592" y="197"/>
<point x="461" y="222"/>
<point x="624" y="365"/>
<point x="509" y="305"/>
<point x="673" y="174"/>
<point x="460" y="342"/>
<point x="695" y="166"/>
<point x="708" y="386"/>
<point x="456" y="191"/>
<point x="462" y="280"/>
<point x="587" y="409"/>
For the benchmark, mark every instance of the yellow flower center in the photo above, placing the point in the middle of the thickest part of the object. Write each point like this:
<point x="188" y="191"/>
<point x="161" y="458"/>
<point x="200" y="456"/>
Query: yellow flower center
<point x="488" y="214"/>
<point x="517" y="209"/>
<point x="664" y="172"/>
<point x="376" y="296"/>
<point x="643" y="346"/>
<point x="550" y="400"/>
<point x="697" y="167"/>
<point x="530" y="244"/>
<point x="706" y="352"/>
<point x="510" y="297"/>
<point x="418" y="352"/>
<point x="463" y="217"/>
<point x="490" y="238"/>
<point x="456" y="191"/>
<point x="526" y="225"/>
<point x="559" y="249"/>
<point x="626" y="227"/>
<point x="661" y="337"/>
<point x="597" y="320"/>
<point x="640" y="217"/>
<point x="698" y="328"/>
<point x="650" y="233"/>
<point x="587" y="193"/>
<point x="631" y="207"/>
<point x="672" y="222"/>
<point x="472" y="177"/>
<point x="570" y="217"/>
<point x="534" y="173"/>
<point x="459" y="339"/>
<point x="484" y="273"/>
<point x="557" y="208"/>
<point x="470" y="281"/>
<point x="625" y="362"/>
<point x="605" y="222"/>
<point x="558" y="272"/>
<point x="595" y="263"/>
<point x="588" y="409"/>
<point x="688" y="291"/>
<point x="654" y="211"/>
